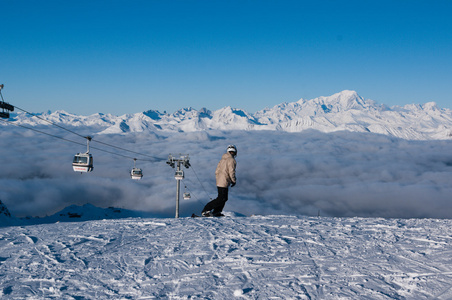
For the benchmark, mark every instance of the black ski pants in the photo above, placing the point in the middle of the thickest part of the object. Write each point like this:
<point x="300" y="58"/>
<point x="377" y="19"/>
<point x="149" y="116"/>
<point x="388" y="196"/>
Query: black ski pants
<point x="218" y="204"/>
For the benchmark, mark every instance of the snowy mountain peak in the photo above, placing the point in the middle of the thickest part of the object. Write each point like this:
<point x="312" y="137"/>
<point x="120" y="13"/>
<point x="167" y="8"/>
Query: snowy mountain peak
<point x="204" y="111"/>
<point x="229" y="112"/>
<point x="232" y="118"/>
<point x="153" y="114"/>
<point x="430" y="106"/>
<point x="343" y="97"/>
<point x="342" y="101"/>
<point x="347" y="100"/>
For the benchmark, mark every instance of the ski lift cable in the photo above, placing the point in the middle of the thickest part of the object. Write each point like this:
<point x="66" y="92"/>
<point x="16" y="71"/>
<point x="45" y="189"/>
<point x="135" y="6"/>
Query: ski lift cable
<point x="39" y="131"/>
<point x="194" y="195"/>
<point x="71" y="141"/>
<point x="93" y="140"/>
<point x="114" y="153"/>
<point x="50" y="122"/>
<point x="123" y="149"/>
<point x="200" y="182"/>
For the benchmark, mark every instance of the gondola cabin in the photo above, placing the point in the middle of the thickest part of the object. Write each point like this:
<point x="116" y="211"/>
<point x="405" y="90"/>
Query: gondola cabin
<point x="83" y="162"/>
<point x="136" y="173"/>
<point x="187" y="196"/>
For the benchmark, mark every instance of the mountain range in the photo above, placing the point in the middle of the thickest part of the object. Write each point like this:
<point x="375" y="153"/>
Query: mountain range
<point x="344" y="111"/>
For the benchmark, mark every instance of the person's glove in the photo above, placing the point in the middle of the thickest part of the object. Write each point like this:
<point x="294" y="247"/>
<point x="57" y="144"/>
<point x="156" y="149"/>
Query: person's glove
<point x="232" y="184"/>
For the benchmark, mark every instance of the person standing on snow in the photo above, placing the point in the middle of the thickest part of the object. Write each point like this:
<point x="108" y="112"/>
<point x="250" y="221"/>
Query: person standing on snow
<point x="225" y="176"/>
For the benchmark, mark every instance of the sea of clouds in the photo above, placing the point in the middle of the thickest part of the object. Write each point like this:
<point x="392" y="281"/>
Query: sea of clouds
<point x="339" y="174"/>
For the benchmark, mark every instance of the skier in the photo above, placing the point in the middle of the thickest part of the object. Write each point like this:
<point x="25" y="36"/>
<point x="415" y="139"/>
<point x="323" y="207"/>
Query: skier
<point x="225" y="176"/>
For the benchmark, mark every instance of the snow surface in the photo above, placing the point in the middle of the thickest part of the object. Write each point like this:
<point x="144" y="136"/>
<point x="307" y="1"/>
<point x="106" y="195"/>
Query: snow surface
<point x="259" y="257"/>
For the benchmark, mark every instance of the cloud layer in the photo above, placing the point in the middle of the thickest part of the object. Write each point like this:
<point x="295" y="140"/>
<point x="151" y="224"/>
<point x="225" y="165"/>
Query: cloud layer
<point x="338" y="174"/>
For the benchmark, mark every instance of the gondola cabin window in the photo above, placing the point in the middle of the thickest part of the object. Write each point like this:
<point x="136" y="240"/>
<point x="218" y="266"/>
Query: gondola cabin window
<point x="80" y="159"/>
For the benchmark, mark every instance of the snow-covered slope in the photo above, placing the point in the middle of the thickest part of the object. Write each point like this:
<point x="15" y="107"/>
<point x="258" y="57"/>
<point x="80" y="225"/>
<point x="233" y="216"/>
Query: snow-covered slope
<point x="342" y="111"/>
<point x="271" y="257"/>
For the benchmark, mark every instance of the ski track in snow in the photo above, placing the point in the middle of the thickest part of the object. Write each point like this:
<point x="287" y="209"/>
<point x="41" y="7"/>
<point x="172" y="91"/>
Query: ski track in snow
<point x="261" y="257"/>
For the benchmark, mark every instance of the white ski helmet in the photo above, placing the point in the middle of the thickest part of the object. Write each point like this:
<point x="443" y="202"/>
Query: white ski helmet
<point x="232" y="148"/>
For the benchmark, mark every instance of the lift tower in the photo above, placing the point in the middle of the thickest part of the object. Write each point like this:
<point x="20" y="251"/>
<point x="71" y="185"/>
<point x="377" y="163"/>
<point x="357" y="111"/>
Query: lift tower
<point x="174" y="161"/>
<point x="6" y="107"/>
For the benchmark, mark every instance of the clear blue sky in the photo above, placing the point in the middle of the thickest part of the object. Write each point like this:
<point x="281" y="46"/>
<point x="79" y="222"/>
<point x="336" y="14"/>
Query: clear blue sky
<point x="130" y="56"/>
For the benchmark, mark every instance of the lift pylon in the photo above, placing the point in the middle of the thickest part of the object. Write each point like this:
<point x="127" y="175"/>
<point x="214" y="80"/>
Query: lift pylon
<point x="6" y="107"/>
<point x="177" y="162"/>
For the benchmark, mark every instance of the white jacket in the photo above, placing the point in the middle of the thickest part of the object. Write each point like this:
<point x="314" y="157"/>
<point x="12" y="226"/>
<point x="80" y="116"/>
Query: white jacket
<point x="225" y="172"/>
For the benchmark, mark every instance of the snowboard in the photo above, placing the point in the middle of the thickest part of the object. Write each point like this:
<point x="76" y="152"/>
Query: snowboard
<point x="209" y="216"/>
